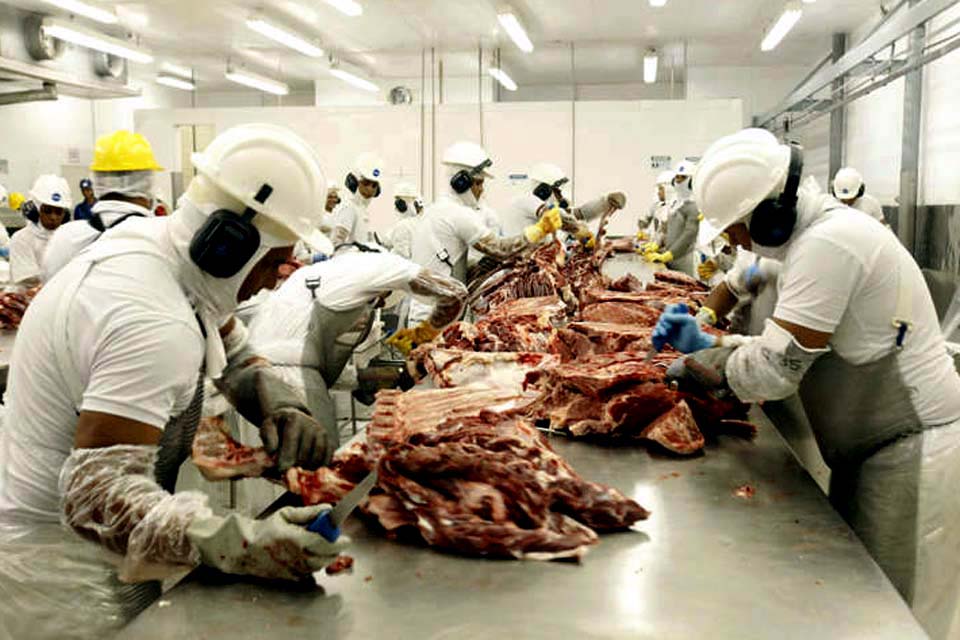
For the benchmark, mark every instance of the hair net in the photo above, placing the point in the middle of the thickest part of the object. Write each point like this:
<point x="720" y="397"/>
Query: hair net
<point x="134" y="184"/>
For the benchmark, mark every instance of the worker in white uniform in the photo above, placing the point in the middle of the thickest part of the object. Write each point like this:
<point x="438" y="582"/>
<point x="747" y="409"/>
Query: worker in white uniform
<point x="453" y="224"/>
<point x="310" y="326"/>
<point x="849" y="188"/>
<point x="546" y="182"/>
<point x="856" y="332"/>
<point x="51" y="195"/>
<point x="123" y="170"/>
<point x="350" y="221"/>
<point x="683" y="223"/>
<point x="409" y="205"/>
<point x="4" y="236"/>
<point x="106" y="384"/>
<point x="651" y="227"/>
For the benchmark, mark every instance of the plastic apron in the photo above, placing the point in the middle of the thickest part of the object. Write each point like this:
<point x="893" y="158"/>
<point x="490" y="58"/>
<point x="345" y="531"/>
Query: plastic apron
<point x="54" y="583"/>
<point x="893" y="479"/>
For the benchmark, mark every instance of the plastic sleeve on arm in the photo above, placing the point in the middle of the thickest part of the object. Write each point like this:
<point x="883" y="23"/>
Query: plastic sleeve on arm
<point x="770" y="366"/>
<point x="592" y="210"/>
<point x="449" y="294"/>
<point x="500" y="248"/>
<point x="110" y="496"/>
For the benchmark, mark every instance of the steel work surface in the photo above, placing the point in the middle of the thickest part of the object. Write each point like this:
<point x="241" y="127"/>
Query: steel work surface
<point x="707" y="564"/>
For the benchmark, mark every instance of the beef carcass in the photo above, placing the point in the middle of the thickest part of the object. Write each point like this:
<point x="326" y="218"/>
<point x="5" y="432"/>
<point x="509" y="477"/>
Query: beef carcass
<point x="532" y="275"/>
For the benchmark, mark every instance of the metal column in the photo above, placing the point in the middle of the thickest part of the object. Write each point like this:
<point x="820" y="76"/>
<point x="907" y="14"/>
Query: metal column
<point x="838" y="117"/>
<point x="910" y="147"/>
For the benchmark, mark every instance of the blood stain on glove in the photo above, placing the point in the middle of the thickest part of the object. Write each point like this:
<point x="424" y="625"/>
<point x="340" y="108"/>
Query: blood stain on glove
<point x="745" y="491"/>
<point x="343" y="564"/>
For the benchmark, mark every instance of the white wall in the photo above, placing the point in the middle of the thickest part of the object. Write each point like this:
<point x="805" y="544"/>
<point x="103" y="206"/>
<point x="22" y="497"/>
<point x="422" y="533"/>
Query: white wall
<point x="760" y="88"/>
<point x="607" y="147"/>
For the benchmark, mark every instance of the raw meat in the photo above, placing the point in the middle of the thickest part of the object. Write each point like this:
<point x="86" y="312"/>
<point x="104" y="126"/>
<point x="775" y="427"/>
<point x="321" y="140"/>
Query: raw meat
<point x="676" y="431"/>
<point x="628" y="282"/>
<point x="13" y="306"/>
<point x="220" y="457"/>
<point x="455" y="368"/>
<point x="622" y="313"/>
<point x="680" y="279"/>
<point x="343" y="563"/>
<point x="603" y="337"/>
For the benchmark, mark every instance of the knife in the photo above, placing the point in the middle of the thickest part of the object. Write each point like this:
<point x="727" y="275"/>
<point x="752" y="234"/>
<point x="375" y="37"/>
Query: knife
<point x="329" y="522"/>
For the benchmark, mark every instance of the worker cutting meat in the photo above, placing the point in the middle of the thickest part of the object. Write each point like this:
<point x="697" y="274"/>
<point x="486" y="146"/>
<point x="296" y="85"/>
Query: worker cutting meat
<point x="453" y="224"/>
<point x="105" y="390"/>
<point x="123" y="170"/>
<point x="311" y="325"/>
<point x="856" y="332"/>
<point x="546" y="191"/>
<point x="51" y="202"/>
<point x="350" y="221"/>
<point x="683" y="223"/>
<point x="408" y="204"/>
<point x="651" y="227"/>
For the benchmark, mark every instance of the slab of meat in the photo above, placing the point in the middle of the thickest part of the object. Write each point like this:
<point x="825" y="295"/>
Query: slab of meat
<point x="498" y="334"/>
<point x="219" y="457"/>
<point x="532" y="275"/>
<point x="455" y="368"/>
<point x="639" y="314"/>
<point x="680" y="279"/>
<point x="657" y="298"/>
<point x="628" y="282"/>
<point x="676" y="431"/>
<point x="587" y="338"/>
<point x="549" y="308"/>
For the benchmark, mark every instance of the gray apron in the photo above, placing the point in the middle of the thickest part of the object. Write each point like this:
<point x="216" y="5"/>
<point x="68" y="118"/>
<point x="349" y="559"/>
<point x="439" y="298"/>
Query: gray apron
<point x="176" y="443"/>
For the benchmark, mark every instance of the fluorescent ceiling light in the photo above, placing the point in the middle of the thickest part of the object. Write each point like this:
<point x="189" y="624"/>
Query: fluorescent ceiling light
<point x="354" y="80"/>
<point x="70" y="32"/>
<point x="86" y="10"/>
<point x="284" y="37"/>
<point x="650" y="62"/>
<point x="175" y="82"/>
<point x="257" y="81"/>
<point x="349" y="7"/>
<point x="502" y="77"/>
<point x="177" y="69"/>
<point x="658" y="3"/>
<point x="511" y="24"/>
<point x="791" y="14"/>
<point x="809" y="1"/>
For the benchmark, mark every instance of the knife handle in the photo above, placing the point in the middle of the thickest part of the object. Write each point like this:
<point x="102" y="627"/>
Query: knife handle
<point x="323" y="525"/>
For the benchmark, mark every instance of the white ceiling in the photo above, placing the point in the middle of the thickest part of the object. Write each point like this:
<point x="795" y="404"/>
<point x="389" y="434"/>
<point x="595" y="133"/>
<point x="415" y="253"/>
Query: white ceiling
<point x="609" y="35"/>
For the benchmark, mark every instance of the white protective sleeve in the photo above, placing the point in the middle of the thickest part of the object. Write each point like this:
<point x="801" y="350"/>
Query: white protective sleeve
<point x="110" y="496"/>
<point x="769" y="366"/>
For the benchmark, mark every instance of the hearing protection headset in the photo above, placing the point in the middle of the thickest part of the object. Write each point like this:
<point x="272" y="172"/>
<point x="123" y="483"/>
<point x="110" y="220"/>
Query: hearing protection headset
<point x="544" y="190"/>
<point x="774" y="219"/>
<point x="462" y="180"/>
<point x="401" y="205"/>
<point x="227" y="241"/>
<point x="352" y="183"/>
<point x="30" y="211"/>
<point x="863" y="190"/>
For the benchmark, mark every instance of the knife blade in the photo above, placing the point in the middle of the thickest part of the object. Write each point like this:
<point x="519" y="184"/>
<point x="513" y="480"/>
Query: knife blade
<point x="329" y="522"/>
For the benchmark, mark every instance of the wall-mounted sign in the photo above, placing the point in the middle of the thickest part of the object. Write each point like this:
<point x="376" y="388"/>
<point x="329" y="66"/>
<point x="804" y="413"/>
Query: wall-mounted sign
<point x="660" y="163"/>
<point x="517" y="177"/>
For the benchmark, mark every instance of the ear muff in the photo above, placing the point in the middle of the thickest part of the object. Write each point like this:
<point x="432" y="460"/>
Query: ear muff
<point x="774" y="219"/>
<point x="462" y="180"/>
<point x="227" y="241"/>
<point x="863" y="190"/>
<point x="401" y="205"/>
<point x="543" y="191"/>
<point x="351" y="183"/>
<point x="376" y="194"/>
<point x="30" y="211"/>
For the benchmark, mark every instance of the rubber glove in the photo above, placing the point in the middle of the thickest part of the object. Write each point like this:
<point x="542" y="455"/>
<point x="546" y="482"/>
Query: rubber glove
<point x="706" y="369"/>
<point x="617" y="200"/>
<point x="4" y="252"/>
<point x="585" y="237"/>
<point x="300" y="439"/>
<point x="549" y="222"/>
<point x="649" y="247"/>
<point x="641" y="236"/>
<point x="320" y="257"/>
<point x="277" y="548"/>
<point x="707" y="316"/>
<point x="707" y="269"/>
<point x="405" y="340"/>
<point x="678" y="328"/>
<point x="663" y="258"/>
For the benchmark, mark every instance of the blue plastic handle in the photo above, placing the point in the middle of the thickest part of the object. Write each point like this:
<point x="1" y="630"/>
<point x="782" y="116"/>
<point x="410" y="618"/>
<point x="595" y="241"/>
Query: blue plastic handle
<point x="4" y="252"/>
<point x="323" y="525"/>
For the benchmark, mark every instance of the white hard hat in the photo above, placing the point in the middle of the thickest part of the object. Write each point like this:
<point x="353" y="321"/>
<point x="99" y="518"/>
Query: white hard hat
<point x="468" y="155"/>
<point x="406" y="190"/>
<point x="736" y="174"/>
<point x="53" y="191"/>
<point x="665" y="178"/>
<point x="547" y="173"/>
<point x="4" y="201"/>
<point x="368" y="166"/>
<point x="685" y="168"/>
<point x="243" y="159"/>
<point x="847" y="184"/>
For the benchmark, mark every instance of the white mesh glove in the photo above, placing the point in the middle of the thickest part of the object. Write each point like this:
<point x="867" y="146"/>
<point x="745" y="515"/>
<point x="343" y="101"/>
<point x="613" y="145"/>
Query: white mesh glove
<point x="279" y="547"/>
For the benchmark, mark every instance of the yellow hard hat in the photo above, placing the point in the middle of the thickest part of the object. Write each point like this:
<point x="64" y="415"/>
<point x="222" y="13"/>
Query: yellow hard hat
<point x="123" y="151"/>
<point x="16" y="200"/>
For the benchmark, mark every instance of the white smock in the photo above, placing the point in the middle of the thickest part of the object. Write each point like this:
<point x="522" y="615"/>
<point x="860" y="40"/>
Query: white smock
<point x="399" y="238"/>
<point x="73" y="237"/>
<point x="26" y="252"/>
<point x="871" y="206"/>
<point x="353" y="215"/>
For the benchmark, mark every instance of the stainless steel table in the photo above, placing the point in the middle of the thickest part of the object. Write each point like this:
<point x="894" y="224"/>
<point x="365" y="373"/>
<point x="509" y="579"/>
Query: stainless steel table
<point x="707" y="564"/>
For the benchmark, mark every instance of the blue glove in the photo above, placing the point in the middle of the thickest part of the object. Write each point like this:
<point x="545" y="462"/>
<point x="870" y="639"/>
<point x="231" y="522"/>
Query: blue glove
<point x="754" y="279"/>
<point x="320" y="257"/>
<point x="4" y="252"/>
<point x="678" y="328"/>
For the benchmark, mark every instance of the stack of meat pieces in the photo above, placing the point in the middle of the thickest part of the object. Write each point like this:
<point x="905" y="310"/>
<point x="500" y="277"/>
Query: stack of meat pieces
<point x="13" y="306"/>
<point x="462" y="470"/>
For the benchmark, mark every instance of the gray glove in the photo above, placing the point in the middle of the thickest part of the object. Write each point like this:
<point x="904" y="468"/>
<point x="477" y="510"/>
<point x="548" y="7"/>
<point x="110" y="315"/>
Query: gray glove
<point x="277" y="548"/>
<point x="705" y="369"/>
<point x="616" y="200"/>
<point x="301" y="440"/>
